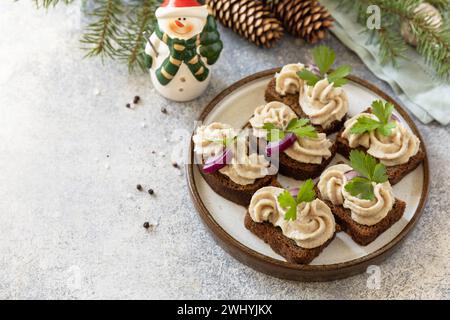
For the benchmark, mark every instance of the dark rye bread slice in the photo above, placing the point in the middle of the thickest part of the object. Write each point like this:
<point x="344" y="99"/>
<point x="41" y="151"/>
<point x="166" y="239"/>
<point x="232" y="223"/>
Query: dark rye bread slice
<point x="362" y="234"/>
<point x="281" y="244"/>
<point x="295" y="169"/>
<point x="232" y="191"/>
<point x="395" y="173"/>
<point x="302" y="171"/>
<point x="292" y="100"/>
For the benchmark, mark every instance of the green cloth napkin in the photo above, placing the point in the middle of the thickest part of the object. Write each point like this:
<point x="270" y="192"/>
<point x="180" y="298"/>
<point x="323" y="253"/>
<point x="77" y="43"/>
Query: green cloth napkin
<point x="427" y="98"/>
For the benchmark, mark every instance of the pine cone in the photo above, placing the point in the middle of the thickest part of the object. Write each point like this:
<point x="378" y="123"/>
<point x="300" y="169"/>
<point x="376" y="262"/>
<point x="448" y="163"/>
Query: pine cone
<point x="251" y="19"/>
<point x="307" y="19"/>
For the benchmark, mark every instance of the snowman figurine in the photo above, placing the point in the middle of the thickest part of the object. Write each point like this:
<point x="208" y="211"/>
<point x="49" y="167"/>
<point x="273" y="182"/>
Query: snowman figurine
<point x="183" y="46"/>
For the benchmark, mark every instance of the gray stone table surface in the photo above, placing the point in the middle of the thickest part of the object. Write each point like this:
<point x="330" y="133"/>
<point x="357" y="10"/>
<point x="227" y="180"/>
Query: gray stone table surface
<point x="71" y="155"/>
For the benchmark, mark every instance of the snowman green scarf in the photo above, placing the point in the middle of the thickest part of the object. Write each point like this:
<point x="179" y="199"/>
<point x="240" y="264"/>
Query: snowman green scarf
<point x="185" y="51"/>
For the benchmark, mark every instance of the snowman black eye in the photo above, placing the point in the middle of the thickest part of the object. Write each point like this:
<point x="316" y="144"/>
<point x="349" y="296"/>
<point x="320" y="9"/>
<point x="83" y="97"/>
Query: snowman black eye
<point x="184" y="18"/>
<point x="179" y="18"/>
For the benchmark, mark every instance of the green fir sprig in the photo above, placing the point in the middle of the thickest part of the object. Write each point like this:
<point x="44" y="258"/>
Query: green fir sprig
<point x="306" y="193"/>
<point x="370" y="171"/>
<point x="132" y="39"/>
<point x="432" y="44"/>
<point x="49" y="3"/>
<point x="116" y="28"/>
<point x="102" y="34"/>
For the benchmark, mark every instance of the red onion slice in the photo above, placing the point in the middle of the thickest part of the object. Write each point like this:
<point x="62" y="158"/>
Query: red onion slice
<point x="281" y="145"/>
<point x="349" y="175"/>
<point x="395" y="118"/>
<point x="294" y="192"/>
<point x="218" y="162"/>
<point x="313" y="68"/>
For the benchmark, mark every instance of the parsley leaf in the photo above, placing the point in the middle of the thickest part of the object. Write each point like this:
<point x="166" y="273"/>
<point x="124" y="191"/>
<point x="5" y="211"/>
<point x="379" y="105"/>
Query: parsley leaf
<point x="226" y="142"/>
<point x="296" y="123"/>
<point x="306" y="131"/>
<point x="299" y="127"/>
<point x="286" y="200"/>
<point x="324" y="58"/>
<point x="360" y="187"/>
<point x="386" y="129"/>
<point x="269" y="126"/>
<point x="358" y="162"/>
<point x="379" y="174"/>
<point x="338" y="75"/>
<point x="310" y="78"/>
<point x="340" y="82"/>
<point x="383" y="111"/>
<point x="370" y="170"/>
<point x="364" y="124"/>
<point x="273" y="133"/>
<point x="306" y="193"/>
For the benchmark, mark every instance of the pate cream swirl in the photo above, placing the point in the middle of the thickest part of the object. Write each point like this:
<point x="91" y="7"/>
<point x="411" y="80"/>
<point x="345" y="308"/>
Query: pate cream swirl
<point x="395" y="149"/>
<point x="357" y="139"/>
<point x="370" y="212"/>
<point x="244" y="168"/>
<point x="332" y="181"/>
<point x="287" y="81"/>
<point x="313" y="227"/>
<point x="207" y="139"/>
<point x="324" y="103"/>
<point x="274" y="112"/>
<point x="304" y="149"/>
<point x="310" y="150"/>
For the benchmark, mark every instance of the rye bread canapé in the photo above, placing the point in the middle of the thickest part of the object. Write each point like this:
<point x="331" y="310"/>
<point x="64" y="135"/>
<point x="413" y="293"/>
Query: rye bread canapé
<point x="381" y="134"/>
<point x="360" y="197"/>
<point x="228" y="166"/>
<point x="315" y="91"/>
<point x="297" y="226"/>
<point x="302" y="151"/>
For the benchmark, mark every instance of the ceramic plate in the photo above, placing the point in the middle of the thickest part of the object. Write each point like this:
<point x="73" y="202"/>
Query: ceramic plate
<point x="343" y="257"/>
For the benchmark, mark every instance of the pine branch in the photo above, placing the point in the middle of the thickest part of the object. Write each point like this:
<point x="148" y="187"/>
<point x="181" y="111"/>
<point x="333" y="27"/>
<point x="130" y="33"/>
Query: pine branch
<point x="440" y="4"/>
<point x="433" y="44"/>
<point x="132" y="41"/>
<point x="391" y="44"/>
<point x="101" y="35"/>
<point x="48" y="3"/>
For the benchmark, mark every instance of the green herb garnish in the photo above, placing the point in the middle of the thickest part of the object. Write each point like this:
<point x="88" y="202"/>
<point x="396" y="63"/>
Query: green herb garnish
<point x="299" y="127"/>
<point x="384" y="125"/>
<point x="324" y="58"/>
<point x="370" y="170"/>
<point x="306" y="193"/>
<point x="226" y="142"/>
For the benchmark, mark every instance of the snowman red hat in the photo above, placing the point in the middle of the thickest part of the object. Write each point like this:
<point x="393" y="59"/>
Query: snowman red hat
<point x="181" y="8"/>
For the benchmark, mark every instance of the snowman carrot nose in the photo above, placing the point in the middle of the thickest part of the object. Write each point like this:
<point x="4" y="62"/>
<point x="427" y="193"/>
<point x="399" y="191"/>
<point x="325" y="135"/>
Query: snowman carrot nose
<point x="179" y="24"/>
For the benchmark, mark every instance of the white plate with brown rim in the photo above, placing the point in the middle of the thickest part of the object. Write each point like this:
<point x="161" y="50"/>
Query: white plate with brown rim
<point x="343" y="257"/>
